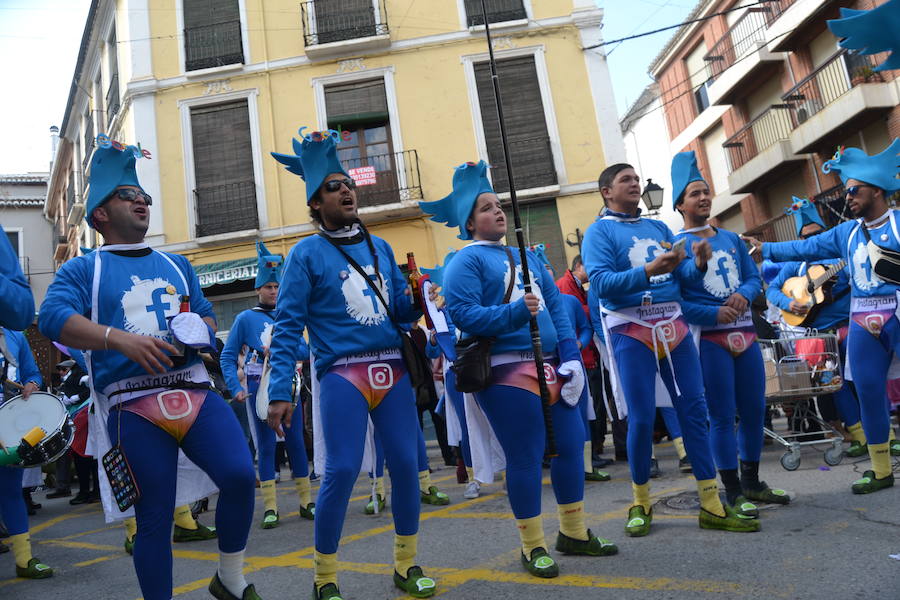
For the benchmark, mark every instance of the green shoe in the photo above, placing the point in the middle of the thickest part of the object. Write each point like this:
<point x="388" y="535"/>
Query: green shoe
<point x="745" y="509"/>
<point x="309" y="511"/>
<point x="869" y="483"/>
<point x="597" y="475"/>
<point x="218" y="590"/>
<point x="764" y="493"/>
<point x="434" y="496"/>
<point x="895" y="447"/>
<point x="856" y="449"/>
<point x="194" y="535"/>
<point x="541" y="564"/>
<point x="370" y="507"/>
<point x="129" y="545"/>
<point x="593" y="546"/>
<point x="638" y="524"/>
<point x="329" y="591"/>
<point x="270" y="520"/>
<point x="35" y="570"/>
<point x="415" y="583"/>
<point x="730" y="522"/>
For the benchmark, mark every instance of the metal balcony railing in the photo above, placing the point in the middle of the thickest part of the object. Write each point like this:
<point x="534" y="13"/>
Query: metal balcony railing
<point x="834" y="205"/>
<point x="213" y="45"/>
<point x="112" y="98"/>
<point x="759" y="134"/>
<point x="778" y="229"/>
<point x="326" y="21"/>
<point x="498" y="11"/>
<point x="226" y="207"/>
<point x="70" y="194"/>
<point x="532" y="161"/>
<point x="837" y="76"/>
<point x="396" y="178"/>
<point x="744" y="37"/>
<point x="88" y="142"/>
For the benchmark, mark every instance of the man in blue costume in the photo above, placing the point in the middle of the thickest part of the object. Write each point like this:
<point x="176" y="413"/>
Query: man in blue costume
<point x="869" y="245"/>
<point x="142" y="316"/>
<point x="252" y="334"/>
<point x="346" y="289"/>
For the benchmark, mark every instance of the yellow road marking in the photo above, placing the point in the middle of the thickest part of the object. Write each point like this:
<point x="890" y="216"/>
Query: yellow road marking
<point x="100" y="559"/>
<point x="78" y="512"/>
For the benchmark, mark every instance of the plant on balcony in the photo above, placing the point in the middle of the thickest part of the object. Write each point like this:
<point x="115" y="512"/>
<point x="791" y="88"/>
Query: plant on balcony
<point x="866" y="74"/>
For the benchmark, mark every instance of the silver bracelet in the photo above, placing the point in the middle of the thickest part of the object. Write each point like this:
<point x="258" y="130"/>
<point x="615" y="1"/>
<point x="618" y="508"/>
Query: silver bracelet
<point x="106" y="337"/>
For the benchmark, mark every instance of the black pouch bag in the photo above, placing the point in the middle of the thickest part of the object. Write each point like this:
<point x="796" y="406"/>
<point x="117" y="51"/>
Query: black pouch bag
<point x="473" y="355"/>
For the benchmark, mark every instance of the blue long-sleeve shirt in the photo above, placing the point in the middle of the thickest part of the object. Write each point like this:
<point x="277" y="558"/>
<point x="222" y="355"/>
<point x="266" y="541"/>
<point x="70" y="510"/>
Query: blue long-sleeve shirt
<point x="730" y="270"/>
<point x="19" y="347"/>
<point x="248" y="329"/>
<point x="16" y="301"/>
<point x="594" y="306"/>
<point x="579" y="320"/>
<point x="848" y="242"/>
<point x="615" y="252"/>
<point x="474" y="286"/>
<point x="324" y="294"/>
<point x="829" y="315"/>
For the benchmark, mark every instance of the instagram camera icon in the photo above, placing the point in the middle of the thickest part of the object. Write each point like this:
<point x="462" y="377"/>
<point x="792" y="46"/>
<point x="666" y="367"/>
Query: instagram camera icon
<point x="549" y="374"/>
<point x="736" y="342"/>
<point x="668" y="333"/>
<point x="874" y="323"/>
<point x="381" y="376"/>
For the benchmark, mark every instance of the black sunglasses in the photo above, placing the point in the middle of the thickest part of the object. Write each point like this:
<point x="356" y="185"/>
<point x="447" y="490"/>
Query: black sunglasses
<point x="335" y="184"/>
<point x="129" y="195"/>
<point x="853" y="190"/>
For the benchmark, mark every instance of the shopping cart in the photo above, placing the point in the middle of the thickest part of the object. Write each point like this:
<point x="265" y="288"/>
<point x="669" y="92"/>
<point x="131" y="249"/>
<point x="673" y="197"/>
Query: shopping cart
<point x="800" y="367"/>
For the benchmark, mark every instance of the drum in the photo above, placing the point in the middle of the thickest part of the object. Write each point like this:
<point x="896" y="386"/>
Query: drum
<point x="19" y="416"/>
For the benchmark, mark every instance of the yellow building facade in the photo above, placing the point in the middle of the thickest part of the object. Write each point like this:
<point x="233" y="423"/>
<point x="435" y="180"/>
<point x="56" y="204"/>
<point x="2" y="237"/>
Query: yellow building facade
<point x="211" y="88"/>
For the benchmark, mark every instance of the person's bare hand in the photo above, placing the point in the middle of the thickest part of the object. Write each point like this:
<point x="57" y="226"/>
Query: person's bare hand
<point x="532" y="303"/>
<point x="151" y="353"/>
<point x="241" y="396"/>
<point x="755" y="244"/>
<point x="798" y="308"/>
<point x="29" y="388"/>
<point x="702" y="253"/>
<point x="664" y="263"/>
<point x="727" y="314"/>
<point x="434" y="294"/>
<point x="280" y="415"/>
<point x="737" y="302"/>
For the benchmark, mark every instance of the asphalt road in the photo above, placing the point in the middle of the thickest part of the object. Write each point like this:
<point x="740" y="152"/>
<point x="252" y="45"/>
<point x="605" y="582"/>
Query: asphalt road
<point x="827" y="544"/>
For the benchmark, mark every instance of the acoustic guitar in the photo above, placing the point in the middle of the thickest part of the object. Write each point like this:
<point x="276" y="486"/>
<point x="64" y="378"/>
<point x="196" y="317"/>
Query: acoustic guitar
<point x="812" y="289"/>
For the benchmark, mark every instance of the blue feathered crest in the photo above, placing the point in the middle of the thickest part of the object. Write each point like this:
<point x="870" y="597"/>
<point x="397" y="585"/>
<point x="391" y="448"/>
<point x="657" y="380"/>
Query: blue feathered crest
<point x="871" y="32"/>
<point x="880" y="170"/>
<point x="804" y="212"/>
<point x="269" y="266"/>
<point x="469" y="181"/>
<point x="314" y="159"/>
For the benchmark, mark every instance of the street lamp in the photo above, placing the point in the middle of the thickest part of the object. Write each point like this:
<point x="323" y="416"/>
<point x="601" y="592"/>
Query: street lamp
<point x="652" y="196"/>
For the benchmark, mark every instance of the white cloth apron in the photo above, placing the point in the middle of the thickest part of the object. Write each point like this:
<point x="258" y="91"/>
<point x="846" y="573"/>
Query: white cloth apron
<point x="454" y="422"/>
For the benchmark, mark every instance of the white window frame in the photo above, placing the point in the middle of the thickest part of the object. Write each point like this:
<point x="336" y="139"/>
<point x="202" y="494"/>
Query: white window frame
<point x="464" y="22"/>
<point x="315" y="26"/>
<point x="21" y="237"/>
<point x="190" y="179"/>
<point x="387" y="75"/>
<point x="540" y="63"/>
<point x="245" y="42"/>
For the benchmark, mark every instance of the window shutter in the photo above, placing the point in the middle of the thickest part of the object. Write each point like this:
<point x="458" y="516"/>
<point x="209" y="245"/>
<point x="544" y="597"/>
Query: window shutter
<point x="498" y="11"/>
<point x="540" y="225"/>
<point x="212" y="33"/>
<point x="523" y="111"/>
<point x="345" y="20"/>
<point x="199" y="13"/>
<point x="225" y="191"/>
<point x="354" y="102"/>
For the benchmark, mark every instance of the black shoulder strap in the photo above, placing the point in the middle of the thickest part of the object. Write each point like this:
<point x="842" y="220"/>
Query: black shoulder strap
<point x="512" y="275"/>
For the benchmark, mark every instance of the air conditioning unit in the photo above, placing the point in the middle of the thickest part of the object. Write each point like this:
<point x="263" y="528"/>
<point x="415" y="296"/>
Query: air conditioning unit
<point x="807" y="108"/>
<point x="76" y="213"/>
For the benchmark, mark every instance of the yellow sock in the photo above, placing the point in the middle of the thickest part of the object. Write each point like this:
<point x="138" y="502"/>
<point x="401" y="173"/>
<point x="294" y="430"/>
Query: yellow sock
<point x="184" y="518"/>
<point x="641" y="495"/>
<point x="326" y="569"/>
<point x="891" y="435"/>
<point x="268" y="493"/>
<point x="856" y="432"/>
<point x="709" y="497"/>
<point x="302" y="484"/>
<point x="21" y="544"/>
<point x="405" y="548"/>
<point x="424" y="481"/>
<point x="531" y="532"/>
<point x="571" y="520"/>
<point x="588" y="464"/>
<point x="679" y="447"/>
<point x="130" y="528"/>
<point x="881" y="459"/>
<point x="471" y="473"/>
<point x="379" y="486"/>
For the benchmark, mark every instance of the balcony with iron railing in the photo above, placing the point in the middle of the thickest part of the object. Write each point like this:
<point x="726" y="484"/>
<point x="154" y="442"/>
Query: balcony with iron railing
<point x="112" y="98"/>
<point x="796" y="23"/>
<point x="498" y="11"/>
<point x="386" y="179"/>
<point x="760" y="150"/>
<point x="740" y="56"/>
<point x="336" y="26"/>
<point x="777" y="229"/>
<point x="225" y="208"/>
<point x="215" y="45"/>
<point x="841" y="96"/>
<point x="532" y="161"/>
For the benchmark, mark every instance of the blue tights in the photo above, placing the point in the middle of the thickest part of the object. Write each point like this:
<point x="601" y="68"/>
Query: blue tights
<point x="212" y="444"/>
<point x="265" y="443"/>
<point x="12" y="504"/>
<point x="344" y="420"/>
<point x="670" y="418"/>
<point x="870" y="358"/>
<point x="516" y="418"/>
<point x="735" y="386"/>
<point x="635" y="364"/>
<point x="459" y="405"/>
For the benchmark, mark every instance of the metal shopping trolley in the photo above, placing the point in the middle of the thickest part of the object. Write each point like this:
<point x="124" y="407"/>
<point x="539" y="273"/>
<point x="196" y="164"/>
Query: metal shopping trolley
<point x="800" y="367"/>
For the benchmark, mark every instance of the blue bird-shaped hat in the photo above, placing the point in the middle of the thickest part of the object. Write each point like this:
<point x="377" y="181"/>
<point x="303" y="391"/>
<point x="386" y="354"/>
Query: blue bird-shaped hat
<point x="110" y="168"/>
<point x="469" y="181"/>
<point x="880" y="170"/>
<point x="437" y="273"/>
<point x="804" y="212"/>
<point x="540" y="251"/>
<point x="269" y="266"/>
<point x="871" y="31"/>
<point x="314" y="159"/>
<point x="769" y="270"/>
<point x="684" y="171"/>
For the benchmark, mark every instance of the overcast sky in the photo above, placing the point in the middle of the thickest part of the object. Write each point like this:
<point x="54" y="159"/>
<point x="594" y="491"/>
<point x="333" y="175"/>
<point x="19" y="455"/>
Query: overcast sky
<point x="39" y="46"/>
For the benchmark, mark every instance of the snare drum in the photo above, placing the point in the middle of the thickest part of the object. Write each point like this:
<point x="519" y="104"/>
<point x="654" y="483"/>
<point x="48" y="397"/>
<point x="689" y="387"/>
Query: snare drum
<point x="19" y="416"/>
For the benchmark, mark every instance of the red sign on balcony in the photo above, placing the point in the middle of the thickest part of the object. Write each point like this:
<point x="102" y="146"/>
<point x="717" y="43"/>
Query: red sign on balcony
<point x="363" y="175"/>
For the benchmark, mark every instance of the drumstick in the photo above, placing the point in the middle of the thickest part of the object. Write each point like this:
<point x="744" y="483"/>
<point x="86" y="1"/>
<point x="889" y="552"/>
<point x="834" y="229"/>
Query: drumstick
<point x="15" y="384"/>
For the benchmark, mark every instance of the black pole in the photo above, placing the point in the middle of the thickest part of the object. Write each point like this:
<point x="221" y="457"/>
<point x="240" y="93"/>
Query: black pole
<point x="520" y="240"/>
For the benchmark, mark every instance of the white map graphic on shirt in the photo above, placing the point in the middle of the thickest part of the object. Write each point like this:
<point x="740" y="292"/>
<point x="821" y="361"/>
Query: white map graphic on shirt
<point x="265" y="338"/>
<point x="518" y="289"/>
<point x="148" y="304"/>
<point x="863" y="276"/>
<point x="721" y="279"/>
<point x="644" y="250"/>
<point x="362" y="303"/>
